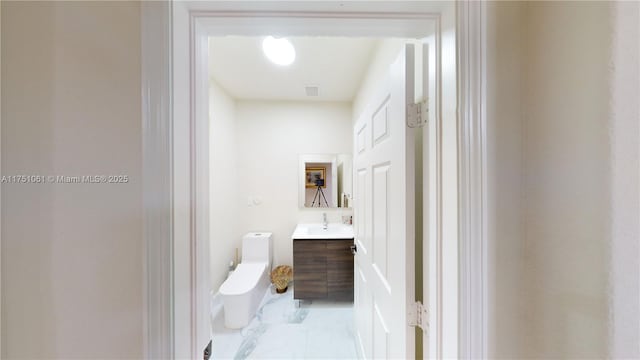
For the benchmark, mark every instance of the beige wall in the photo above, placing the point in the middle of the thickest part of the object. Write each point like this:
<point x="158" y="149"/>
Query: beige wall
<point x="71" y="253"/>
<point x="566" y="196"/>
<point x="505" y="45"/>
<point x="549" y="155"/>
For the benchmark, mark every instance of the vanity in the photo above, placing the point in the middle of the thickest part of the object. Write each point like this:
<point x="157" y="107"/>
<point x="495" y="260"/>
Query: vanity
<point x="322" y="257"/>
<point x="323" y="262"/>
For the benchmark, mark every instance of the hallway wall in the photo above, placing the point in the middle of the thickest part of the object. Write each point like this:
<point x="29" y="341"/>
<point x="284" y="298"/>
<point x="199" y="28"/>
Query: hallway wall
<point x="558" y="132"/>
<point x="505" y="46"/>
<point x="565" y="179"/>
<point x="72" y="254"/>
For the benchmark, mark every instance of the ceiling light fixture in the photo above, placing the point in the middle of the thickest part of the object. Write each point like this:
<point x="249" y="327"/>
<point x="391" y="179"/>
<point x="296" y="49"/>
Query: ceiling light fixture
<point x="279" y="51"/>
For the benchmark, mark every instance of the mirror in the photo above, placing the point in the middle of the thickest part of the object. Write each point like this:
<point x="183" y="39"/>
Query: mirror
<point x="325" y="181"/>
<point x="345" y="184"/>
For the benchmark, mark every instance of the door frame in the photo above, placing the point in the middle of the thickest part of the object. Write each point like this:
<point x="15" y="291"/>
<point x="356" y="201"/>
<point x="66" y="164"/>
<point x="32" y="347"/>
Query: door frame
<point x="472" y="182"/>
<point x="163" y="245"/>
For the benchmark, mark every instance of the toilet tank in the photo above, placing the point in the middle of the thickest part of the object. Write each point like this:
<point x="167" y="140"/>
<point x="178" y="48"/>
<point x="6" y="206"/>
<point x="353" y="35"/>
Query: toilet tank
<point x="256" y="247"/>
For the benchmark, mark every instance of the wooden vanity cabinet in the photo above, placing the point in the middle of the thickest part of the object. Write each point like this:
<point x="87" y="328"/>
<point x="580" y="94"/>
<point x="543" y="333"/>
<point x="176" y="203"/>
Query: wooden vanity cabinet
<point x="323" y="269"/>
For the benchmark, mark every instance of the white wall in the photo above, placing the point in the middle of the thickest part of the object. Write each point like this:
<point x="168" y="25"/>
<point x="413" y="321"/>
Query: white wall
<point x="72" y="269"/>
<point x="271" y="136"/>
<point x="224" y="213"/>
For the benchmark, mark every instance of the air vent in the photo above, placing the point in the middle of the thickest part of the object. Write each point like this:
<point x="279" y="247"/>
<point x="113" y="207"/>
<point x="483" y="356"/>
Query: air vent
<point x="311" y="90"/>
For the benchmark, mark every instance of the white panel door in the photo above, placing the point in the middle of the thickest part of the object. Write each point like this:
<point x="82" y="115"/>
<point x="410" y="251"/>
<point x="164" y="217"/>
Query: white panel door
<point x="384" y="217"/>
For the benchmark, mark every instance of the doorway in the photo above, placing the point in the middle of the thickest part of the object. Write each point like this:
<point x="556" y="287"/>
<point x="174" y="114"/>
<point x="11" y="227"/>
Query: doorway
<point x="191" y="24"/>
<point x="263" y="119"/>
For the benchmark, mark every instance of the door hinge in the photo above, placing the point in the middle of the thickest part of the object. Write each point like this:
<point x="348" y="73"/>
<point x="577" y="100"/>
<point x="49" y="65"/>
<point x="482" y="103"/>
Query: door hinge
<point x="419" y="316"/>
<point x="417" y="114"/>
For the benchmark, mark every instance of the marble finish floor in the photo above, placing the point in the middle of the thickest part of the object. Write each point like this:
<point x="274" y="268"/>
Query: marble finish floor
<point x="282" y="330"/>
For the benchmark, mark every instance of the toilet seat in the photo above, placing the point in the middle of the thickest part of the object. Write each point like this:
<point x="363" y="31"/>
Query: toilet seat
<point x="243" y="279"/>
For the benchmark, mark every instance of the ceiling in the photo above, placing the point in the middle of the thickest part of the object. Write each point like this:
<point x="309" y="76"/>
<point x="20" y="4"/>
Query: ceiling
<point x="335" y="65"/>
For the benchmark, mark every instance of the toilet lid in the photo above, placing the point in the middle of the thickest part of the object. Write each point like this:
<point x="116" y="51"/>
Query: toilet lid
<point x="243" y="279"/>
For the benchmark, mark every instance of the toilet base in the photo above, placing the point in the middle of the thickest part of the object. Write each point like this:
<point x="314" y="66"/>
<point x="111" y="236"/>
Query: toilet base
<point x="239" y="309"/>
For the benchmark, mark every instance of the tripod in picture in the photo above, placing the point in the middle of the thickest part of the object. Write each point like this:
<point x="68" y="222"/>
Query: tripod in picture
<point x="319" y="194"/>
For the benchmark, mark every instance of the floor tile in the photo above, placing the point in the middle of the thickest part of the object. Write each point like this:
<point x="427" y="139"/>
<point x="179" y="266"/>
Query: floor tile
<point x="282" y="329"/>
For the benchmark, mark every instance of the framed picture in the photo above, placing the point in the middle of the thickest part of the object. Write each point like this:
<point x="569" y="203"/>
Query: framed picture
<point x="315" y="174"/>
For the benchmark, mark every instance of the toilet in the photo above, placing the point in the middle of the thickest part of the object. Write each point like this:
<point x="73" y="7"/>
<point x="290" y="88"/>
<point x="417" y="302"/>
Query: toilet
<point x="243" y="291"/>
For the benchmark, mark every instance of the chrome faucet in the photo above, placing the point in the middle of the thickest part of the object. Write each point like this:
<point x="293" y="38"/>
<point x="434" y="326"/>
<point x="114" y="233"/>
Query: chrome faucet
<point x="325" y="223"/>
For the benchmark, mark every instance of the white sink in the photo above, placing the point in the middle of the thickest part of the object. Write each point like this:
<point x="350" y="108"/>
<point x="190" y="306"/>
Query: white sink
<point x="316" y="231"/>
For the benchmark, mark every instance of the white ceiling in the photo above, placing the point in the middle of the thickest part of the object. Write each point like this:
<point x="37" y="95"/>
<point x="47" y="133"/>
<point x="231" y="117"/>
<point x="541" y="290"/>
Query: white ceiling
<point x="336" y="65"/>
